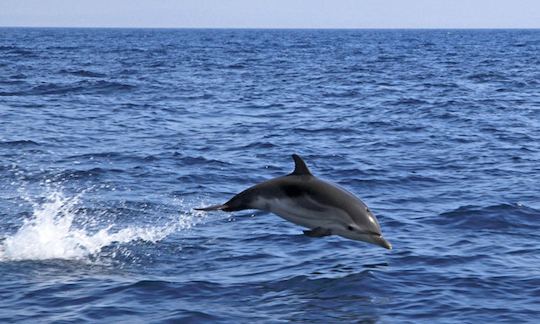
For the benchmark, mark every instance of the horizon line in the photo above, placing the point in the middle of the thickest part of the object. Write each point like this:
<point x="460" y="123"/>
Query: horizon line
<point x="280" y="28"/>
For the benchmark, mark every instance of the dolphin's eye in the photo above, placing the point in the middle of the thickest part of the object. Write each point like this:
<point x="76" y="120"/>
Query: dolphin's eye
<point x="350" y="228"/>
<point x="367" y="209"/>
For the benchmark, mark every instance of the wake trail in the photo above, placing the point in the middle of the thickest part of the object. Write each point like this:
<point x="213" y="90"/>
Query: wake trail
<point x="52" y="233"/>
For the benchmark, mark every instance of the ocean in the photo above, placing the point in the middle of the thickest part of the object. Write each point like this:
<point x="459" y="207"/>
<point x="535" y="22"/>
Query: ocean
<point x="110" y="137"/>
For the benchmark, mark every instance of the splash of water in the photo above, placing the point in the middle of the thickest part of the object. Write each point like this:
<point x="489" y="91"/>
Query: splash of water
<point x="52" y="234"/>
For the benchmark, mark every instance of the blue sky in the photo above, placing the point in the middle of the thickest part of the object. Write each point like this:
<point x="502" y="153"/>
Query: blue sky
<point x="273" y="13"/>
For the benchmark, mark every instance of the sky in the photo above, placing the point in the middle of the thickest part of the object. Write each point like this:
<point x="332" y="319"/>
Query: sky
<point x="272" y="13"/>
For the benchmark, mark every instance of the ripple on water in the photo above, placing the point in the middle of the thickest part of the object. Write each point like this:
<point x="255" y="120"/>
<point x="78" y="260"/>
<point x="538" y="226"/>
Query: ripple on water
<point x="496" y="217"/>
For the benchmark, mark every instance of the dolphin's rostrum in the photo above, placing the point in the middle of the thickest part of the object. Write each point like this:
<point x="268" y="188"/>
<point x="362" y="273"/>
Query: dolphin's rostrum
<point x="305" y="200"/>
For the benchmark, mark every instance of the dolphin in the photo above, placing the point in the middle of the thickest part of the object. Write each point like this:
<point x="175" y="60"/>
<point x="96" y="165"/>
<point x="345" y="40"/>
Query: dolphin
<point x="303" y="199"/>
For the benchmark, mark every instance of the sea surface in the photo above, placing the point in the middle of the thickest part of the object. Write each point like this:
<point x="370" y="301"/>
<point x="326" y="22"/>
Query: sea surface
<point x="110" y="137"/>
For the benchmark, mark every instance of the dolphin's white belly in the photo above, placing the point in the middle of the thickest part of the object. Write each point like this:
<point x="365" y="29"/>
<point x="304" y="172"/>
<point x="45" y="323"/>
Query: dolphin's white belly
<point x="307" y="213"/>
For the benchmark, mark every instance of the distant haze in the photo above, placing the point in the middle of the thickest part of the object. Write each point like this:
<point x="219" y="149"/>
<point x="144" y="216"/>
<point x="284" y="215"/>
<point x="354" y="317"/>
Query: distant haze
<point x="272" y="14"/>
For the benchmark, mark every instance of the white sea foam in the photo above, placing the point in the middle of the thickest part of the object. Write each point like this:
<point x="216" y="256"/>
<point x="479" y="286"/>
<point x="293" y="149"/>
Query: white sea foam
<point x="51" y="233"/>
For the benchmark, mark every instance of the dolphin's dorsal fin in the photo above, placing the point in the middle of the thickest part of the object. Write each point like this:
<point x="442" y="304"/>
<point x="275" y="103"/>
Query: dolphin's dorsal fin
<point x="300" y="167"/>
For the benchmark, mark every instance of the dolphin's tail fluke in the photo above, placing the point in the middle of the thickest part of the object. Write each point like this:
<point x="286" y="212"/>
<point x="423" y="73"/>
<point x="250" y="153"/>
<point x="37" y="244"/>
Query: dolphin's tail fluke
<point x="214" y="207"/>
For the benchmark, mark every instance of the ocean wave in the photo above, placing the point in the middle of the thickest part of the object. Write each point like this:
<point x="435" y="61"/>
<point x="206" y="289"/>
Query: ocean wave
<point x="17" y="51"/>
<point x="255" y="145"/>
<point x="112" y="157"/>
<point x="495" y="217"/>
<point x="403" y="181"/>
<point x="81" y="87"/>
<point x="408" y="101"/>
<point x="83" y="73"/>
<point x="325" y="286"/>
<point x="72" y="174"/>
<point x="236" y="66"/>
<point x="19" y="143"/>
<point x="200" y="160"/>
<point x="323" y="129"/>
<point x="486" y="76"/>
<point x="341" y="94"/>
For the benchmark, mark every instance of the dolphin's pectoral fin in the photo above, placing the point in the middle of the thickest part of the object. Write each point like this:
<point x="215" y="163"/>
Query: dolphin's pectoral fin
<point x="318" y="232"/>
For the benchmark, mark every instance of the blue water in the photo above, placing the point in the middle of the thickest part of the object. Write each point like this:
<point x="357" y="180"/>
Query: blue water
<point x="110" y="138"/>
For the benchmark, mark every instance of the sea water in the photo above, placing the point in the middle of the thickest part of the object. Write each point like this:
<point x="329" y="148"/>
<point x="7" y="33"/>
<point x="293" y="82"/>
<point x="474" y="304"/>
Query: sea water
<point x="110" y="137"/>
